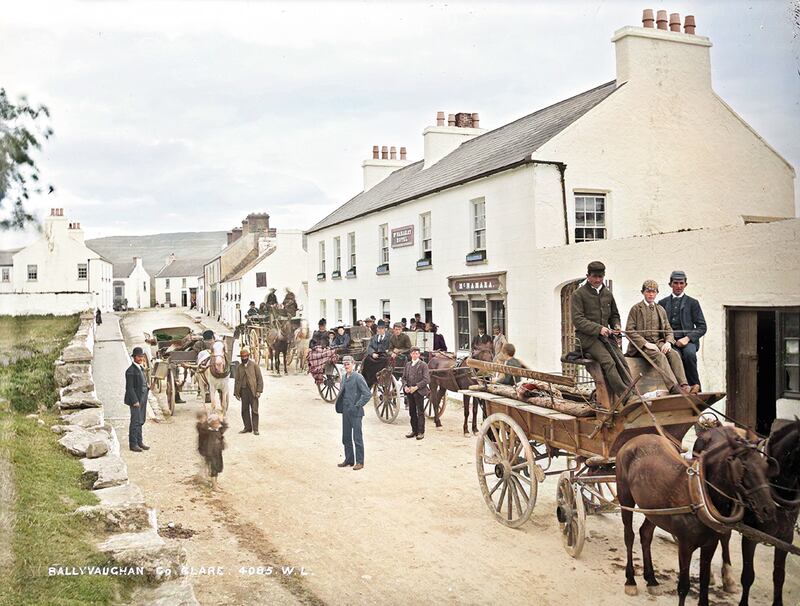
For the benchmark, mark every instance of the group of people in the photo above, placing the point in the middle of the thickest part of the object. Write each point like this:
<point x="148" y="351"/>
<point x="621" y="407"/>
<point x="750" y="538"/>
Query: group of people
<point x="666" y="332"/>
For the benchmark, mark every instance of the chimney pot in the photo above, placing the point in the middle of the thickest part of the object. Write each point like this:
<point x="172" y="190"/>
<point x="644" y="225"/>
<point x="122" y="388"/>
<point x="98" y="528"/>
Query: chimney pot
<point x="375" y="152"/>
<point x="393" y="153"/>
<point x="402" y="153"/>
<point x="675" y="22"/>
<point x="475" y="121"/>
<point x="451" y="119"/>
<point x="661" y="20"/>
<point x="647" y="18"/>
<point x="384" y="153"/>
<point x="689" y="24"/>
<point x="439" y="118"/>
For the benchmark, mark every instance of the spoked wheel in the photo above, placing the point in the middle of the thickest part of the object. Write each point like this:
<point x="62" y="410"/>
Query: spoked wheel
<point x="156" y="387"/>
<point x="331" y="383"/>
<point x="505" y="464"/>
<point x="571" y="514"/>
<point x="429" y="406"/>
<point x="255" y="348"/>
<point x="384" y="397"/>
<point x="171" y="391"/>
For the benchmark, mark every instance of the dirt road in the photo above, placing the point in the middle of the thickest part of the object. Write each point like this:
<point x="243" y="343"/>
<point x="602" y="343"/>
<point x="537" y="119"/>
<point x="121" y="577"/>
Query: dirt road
<point x="411" y="527"/>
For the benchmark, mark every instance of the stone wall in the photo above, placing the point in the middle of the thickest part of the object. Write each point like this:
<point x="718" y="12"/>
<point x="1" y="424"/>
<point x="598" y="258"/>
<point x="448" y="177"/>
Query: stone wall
<point x="129" y="534"/>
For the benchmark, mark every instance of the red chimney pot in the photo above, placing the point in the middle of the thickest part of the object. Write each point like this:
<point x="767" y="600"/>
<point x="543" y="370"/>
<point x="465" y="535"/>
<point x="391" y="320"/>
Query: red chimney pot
<point x="647" y="18"/>
<point x="393" y="153"/>
<point x="402" y="153"/>
<point x="439" y="118"/>
<point x="661" y="20"/>
<point x="675" y="22"/>
<point x="384" y="153"/>
<point x="375" y="152"/>
<point x="689" y="24"/>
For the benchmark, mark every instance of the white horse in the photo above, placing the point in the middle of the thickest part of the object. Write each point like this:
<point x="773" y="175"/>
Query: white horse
<point x="302" y="337"/>
<point x="213" y="371"/>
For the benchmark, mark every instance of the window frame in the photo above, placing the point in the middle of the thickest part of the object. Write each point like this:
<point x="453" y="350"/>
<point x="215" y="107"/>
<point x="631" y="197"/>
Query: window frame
<point x="6" y="274"/>
<point x="85" y="268"/>
<point x="383" y="244"/>
<point x="338" y="311"/>
<point x="781" y="364"/>
<point x="35" y="272"/>
<point x="323" y="308"/>
<point x="426" y="244"/>
<point x="261" y="276"/>
<point x="475" y="229"/>
<point x="166" y="282"/>
<point x="337" y="254"/>
<point x="321" y="249"/>
<point x="351" y="249"/>
<point x="584" y="225"/>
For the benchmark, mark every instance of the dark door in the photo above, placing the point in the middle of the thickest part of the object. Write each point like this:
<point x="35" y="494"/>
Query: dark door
<point x="743" y="366"/>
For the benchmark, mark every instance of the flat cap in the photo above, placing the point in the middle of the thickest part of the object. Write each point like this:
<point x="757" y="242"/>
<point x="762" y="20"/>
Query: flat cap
<point x="208" y="334"/>
<point x="650" y="285"/>
<point x="596" y="267"/>
<point x="678" y="275"/>
<point x="244" y="350"/>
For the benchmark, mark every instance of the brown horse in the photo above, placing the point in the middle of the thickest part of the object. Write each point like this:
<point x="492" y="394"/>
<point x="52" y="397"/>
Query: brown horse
<point x="783" y="445"/>
<point x="652" y="475"/>
<point x="277" y="339"/>
<point x="459" y="377"/>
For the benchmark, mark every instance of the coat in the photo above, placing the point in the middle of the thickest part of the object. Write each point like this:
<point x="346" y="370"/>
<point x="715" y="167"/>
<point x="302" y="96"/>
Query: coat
<point x="341" y="341"/>
<point x="417" y="376"/>
<point x="592" y="311"/>
<point x="691" y="323"/>
<point x="637" y="322"/>
<point x="250" y="374"/>
<point x="402" y="342"/>
<point x="378" y="347"/>
<point x="353" y="395"/>
<point x="136" y="389"/>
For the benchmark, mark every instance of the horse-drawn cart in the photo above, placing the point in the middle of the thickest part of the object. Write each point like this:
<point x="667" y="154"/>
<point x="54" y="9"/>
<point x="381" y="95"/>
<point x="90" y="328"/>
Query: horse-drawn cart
<point x="520" y="438"/>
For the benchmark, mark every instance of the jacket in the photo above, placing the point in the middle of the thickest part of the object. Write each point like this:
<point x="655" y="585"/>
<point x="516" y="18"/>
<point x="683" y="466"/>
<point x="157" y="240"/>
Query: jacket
<point x="341" y="341"/>
<point x="378" y="347"/>
<point x="136" y="389"/>
<point x="438" y="342"/>
<point x="353" y="395"/>
<point x="417" y="376"/>
<point x="250" y="374"/>
<point x="401" y="342"/>
<point x="691" y="322"/>
<point x="591" y="311"/>
<point x="637" y="324"/>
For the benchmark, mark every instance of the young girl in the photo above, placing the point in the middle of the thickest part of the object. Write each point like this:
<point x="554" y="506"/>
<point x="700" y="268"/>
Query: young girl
<point x="211" y="443"/>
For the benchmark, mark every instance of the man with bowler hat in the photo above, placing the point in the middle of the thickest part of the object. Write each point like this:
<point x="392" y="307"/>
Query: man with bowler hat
<point x="688" y="324"/>
<point x="136" y="392"/>
<point x="596" y="319"/>
<point x="416" y="378"/>
<point x="350" y="402"/>
<point x="247" y="387"/>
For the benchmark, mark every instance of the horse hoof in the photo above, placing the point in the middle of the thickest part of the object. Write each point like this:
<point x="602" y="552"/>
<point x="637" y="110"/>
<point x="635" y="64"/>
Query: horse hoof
<point x="631" y="590"/>
<point x="474" y="432"/>
<point x="466" y="434"/>
<point x="654" y="589"/>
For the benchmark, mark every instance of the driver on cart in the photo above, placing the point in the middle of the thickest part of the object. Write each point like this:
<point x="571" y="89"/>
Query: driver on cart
<point x="375" y="358"/>
<point x="399" y="345"/>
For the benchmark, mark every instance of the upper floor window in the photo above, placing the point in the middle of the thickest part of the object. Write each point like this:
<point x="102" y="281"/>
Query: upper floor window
<point x="83" y="269"/>
<point x="322" y="257"/>
<point x="337" y="254"/>
<point x="425" y="231"/>
<point x="33" y="272"/>
<point x="166" y="282"/>
<point x="183" y="282"/>
<point x="351" y="239"/>
<point x="383" y="243"/>
<point x="479" y="224"/>
<point x="6" y="274"/>
<point x="590" y="217"/>
<point x="261" y="279"/>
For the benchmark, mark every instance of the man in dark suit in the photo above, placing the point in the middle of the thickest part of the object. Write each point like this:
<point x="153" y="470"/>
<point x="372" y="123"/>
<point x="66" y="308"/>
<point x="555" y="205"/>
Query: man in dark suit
<point x="350" y="402"/>
<point x="375" y="358"/>
<point x="416" y="379"/>
<point x="688" y="324"/>
<point x="136" y="392"/>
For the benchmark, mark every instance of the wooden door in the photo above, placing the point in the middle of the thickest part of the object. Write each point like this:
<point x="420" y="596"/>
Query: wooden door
<point x="743" y="366"/>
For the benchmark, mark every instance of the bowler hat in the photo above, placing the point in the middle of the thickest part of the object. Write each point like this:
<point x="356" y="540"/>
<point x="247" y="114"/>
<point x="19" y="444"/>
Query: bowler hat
<point x="381" y="324"/>
<point x="137" y="351"/>
<point x="596" y="267"/>
<point x="208" y="334"/>
<point x="677" y="275"/>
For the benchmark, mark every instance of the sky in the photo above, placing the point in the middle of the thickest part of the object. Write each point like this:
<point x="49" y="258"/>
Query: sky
<point x="187" y="115"/>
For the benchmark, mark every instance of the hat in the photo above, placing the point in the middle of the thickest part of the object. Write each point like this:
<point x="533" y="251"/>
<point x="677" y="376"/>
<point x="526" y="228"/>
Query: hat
<point x="208" y="334"/>
<point x="348" y="359"/>
<point x="414" y="349"/>
<point x="677" y="275"/>
<point x="596" y="267"/>
<point x="650" y="285"/>
<point x="244" y="350"/>
<point x="252" y="302"/>
<point x="322" y="322"/>
<point x="137" y="351"/>
<point x="381" y="324"/>
<point x="398" y="325"/>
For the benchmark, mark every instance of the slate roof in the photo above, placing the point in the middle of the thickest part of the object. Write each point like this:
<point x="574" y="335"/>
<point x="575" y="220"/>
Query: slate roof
<point x="123" y="270"/>
<point x="181" y="268"/>
<point x="499" y="149"/>
<point x="6" y="256"/>
<point x="241" y="269"/>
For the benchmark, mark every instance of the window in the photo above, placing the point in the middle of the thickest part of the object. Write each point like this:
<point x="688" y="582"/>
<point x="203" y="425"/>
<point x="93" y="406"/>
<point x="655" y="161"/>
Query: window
<point x="425" y="230"/>
<point x="322" y="257"/>
<point x="427" y="310"/>
<point x="261" y="279"/>
<point x="351" y="240"/>
<point x="383" y="242"/>
<point x="337" y="254"/>
<point x="183" y="282"/>
<point x="353" y="312"/>
<point x="498" y="313"/>
<point x="168" y="297"/>
<point x="462" y="324"/>
<point x="144" y="286"/>
<point x="479" y="224"/>
<point x="323" y="308"/>
<point x="83" y="269"/>
<point x="6" y="274"/>
<point x="385" y="308"/>
<point x="166" y="282"/>
<point x="339" y="315"/>
<point x="33" y="273"/>
<point x="789" y="359"/>
<point x="590" y="217"/>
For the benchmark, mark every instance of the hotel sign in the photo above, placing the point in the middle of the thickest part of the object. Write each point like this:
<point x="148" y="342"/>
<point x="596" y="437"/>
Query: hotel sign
<point x="403" y="236"/>
<point x="479" y="284"/>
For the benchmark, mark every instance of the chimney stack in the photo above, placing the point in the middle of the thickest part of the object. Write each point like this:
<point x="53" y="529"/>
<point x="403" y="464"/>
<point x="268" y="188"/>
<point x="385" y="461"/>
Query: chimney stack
<point x="402" y="153"/>
<point x="375" y="152"/>
<point x="384" y="153"/>
<point x="675" y="22"/>
<point x="392" y="153"/>
<point x="475" y="121"/>
<point x="689" y="25"/>
<point x="382" y="164"/>
<point x="451" y="119"/>
<point x="439" y="118"/>
<point x="661" y="20"/>
<point x="647" y="18"/>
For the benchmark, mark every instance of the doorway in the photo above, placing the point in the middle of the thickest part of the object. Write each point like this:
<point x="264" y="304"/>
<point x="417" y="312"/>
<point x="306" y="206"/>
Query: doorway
<point x="184" y="299"/>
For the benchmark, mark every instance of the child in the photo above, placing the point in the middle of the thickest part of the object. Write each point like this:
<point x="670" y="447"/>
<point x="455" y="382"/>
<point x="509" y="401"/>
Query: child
<point x="211" y="443"/>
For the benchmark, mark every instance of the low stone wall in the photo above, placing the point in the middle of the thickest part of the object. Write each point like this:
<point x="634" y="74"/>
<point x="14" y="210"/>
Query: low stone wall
<point x="130" y="534"/>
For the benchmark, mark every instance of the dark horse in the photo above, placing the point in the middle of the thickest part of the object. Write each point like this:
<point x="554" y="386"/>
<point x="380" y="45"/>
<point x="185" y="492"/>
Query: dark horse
<point x="783" y="445"/>
<point x="442" y="381"/>
<point x="651" y="474"/>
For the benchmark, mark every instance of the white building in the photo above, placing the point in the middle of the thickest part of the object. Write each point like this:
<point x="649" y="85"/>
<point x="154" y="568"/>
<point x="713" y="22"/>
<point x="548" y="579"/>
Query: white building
<point x="200" y="295"/>
<point x="177" y="283"/>
<point x="275" y="267"/>
<point x="649" y="172"/>
<point x="57" y="274"/>
<point x="131" y="284"/>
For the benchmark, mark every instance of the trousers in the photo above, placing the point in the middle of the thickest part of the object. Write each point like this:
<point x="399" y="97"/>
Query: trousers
<point x="689" y="358"/>
<point x="670" y="364"/>
<point x="352" y="435"/>
<point x="249" y="409"/>
<point x="599" y="352"/>
<point x="138" y="417"/>
<point x="416" y="410"/>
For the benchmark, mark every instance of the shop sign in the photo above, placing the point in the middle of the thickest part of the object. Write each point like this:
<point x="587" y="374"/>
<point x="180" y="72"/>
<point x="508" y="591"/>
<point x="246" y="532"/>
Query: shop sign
<point x="403" y="236"/>
<point x="481" y="284"/>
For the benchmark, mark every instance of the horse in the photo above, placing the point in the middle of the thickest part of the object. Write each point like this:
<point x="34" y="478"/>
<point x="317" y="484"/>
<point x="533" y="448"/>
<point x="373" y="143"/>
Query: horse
<point x="302" y="337"/>
<point x="651" y="474"/>
<point x="783" y="445"/>
<point x="483" y="352"/>
<point x="212" y="373"/>
<point x="277" y="344"/>
<point x="459" y="377"/>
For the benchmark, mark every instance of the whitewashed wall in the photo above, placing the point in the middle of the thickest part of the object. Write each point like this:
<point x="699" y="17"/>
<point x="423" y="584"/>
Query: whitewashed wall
<point x="176" y="289"/>
<point x="36" y="304"/>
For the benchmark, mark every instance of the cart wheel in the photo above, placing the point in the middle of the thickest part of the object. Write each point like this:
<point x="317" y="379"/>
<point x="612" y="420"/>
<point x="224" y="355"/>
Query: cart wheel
<point x="429" y="406"/>
<point x="571" y="514"/>
<point x="255" y="346"/>
<point x="171" y="391"/>
<point x="156" y="387"/>
<point x="505" y="464"/>
<point x="331" y="383"/>
<point x="384" y="397"/>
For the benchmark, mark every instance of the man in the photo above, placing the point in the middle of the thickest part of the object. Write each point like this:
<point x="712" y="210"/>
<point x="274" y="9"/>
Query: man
<point x="481" y="340"/>
<point x="688" y="324"/>
<point x="375" y="357"/>
<point x="438" y="340"/>
<point x="289" y="303"/>
<point x="399" y="344"/>
<point x="413" y="326"/>
<point x="509" y="351"/>
<point x="272" y="298"/>
<point x="498" y="340"/>
<point x="321" y="334"/>
<point x="595" y="316"/>
<point x="416" y="378"/>
<point x="253" y="310"/>
<point x="247" y="387"/>
<point x="353" y="394"/>
<point x="648" y="328"/>
<point x="370" y="323"/>
<point x="136" y="392"/>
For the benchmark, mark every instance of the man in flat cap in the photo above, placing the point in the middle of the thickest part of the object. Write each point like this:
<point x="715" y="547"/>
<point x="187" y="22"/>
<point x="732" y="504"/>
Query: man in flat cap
<point x="649" y="329"/>
<point x="416" y="380"/>
<point x="595" y="316"/>
<point x="688" y="324"/>
<point x="136" y="392"/>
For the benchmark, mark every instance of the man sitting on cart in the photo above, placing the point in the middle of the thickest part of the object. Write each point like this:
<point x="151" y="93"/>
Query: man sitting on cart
<point x="376" y="356"/>
<point x="399" y="345"/>
<point x="253" y="310"/>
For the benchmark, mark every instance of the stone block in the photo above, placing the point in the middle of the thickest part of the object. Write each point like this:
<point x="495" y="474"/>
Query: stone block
<point x="80" y="384"/>
<point x="106" y="471"/>
<point x="130" y="518"/>
<point x="78" y="440"/>
<point x="79" y="400"/>
<point x="120" y="496"/>
<point x="77" y="351"/>
<point x="97" y="449"/>
<point x="171" y="593"/>
<point x="87" y="417"/>
<point x="148" y="550"/>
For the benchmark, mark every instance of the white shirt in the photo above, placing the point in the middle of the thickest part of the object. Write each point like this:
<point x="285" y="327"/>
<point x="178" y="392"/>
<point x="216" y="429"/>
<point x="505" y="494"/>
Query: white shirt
<point x="674" y="296"/>
<point x="414" y="362"/>
<point x="598" y="289"/>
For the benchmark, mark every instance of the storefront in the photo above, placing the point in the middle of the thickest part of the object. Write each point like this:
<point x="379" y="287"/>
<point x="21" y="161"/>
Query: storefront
<point x="478" y="300"/>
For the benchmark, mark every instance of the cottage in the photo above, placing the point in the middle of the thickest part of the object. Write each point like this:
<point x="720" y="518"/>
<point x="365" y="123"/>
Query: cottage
<point x="132" y="288"/>
<point x="176" y="282"/>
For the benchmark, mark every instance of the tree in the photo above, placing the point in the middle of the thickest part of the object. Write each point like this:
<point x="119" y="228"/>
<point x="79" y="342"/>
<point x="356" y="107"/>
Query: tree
<point x="21" y="132"/>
